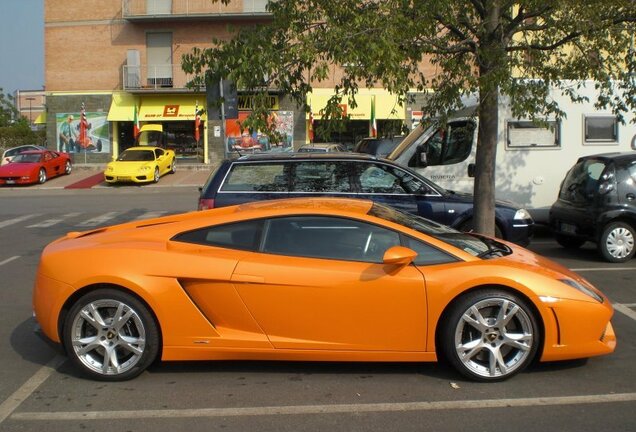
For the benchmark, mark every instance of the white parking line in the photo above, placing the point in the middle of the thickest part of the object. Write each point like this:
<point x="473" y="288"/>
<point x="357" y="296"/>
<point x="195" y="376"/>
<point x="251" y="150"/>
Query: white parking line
<point x="17" y="220"/>
<point x="326" y="409"/>
<point x="50" y="222"/>
<point x="98" y="220"/>
<point x="596" y="269"/>
<point x="20" y="395"/>
<point x="625" y="310"/>
<point x="8" y="260"/>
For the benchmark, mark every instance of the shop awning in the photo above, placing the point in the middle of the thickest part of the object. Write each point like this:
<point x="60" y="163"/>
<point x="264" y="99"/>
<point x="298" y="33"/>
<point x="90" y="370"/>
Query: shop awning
<point x="171" y="107"/>
<point x="386" y="104"/>
<point x="122" y="108"/>
<point x="40" y="119"/>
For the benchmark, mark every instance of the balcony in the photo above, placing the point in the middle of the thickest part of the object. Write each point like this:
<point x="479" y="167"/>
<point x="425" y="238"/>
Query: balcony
<point x="153" y="10"/>
<point x="154" y="78"/>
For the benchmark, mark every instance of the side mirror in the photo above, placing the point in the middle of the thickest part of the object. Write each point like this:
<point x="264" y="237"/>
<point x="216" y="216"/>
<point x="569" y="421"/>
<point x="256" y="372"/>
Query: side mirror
<point x="471" y="170"/>
<point x="114" y="158"/>
<point x="399" y="255"/>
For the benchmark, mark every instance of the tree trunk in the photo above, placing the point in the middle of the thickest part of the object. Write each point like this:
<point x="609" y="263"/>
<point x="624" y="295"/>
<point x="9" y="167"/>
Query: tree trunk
<point x="484" y="193"/>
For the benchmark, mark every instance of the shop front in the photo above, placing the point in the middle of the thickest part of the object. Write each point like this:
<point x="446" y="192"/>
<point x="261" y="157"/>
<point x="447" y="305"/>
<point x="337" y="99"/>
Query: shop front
<point x="179" y="123"/>
<point x="377" y="112"/>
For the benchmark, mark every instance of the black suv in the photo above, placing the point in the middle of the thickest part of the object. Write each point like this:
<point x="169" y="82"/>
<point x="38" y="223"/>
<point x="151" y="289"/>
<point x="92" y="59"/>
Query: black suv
<point x="272" y="176"/>
<point x="597" y="202"/>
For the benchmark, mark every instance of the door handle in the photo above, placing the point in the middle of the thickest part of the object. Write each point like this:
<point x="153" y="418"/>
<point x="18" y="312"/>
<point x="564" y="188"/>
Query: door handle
<point x="630" y="197"/>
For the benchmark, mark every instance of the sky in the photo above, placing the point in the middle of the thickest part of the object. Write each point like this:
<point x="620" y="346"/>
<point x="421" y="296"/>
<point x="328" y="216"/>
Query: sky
<point x="21" y="45"/>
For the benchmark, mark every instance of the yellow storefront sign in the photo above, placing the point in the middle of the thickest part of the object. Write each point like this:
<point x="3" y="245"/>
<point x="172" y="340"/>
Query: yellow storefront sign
<point x="386" y="104"/>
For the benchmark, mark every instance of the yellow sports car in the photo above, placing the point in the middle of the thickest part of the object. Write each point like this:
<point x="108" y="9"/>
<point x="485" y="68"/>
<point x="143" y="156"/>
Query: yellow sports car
<point x="141" y="164"/>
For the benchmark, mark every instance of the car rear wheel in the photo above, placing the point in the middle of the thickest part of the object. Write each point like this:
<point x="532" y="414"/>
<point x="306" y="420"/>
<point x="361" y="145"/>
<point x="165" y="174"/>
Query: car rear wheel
<point x="42" y="176"/>
<point x="68" y="168"/>
<point x="569" y="242"/>
<point x="110" y="335"/>
<point x="490" y="335"/>
<point x="617" y="242"/>
<point x="156" y="176"/>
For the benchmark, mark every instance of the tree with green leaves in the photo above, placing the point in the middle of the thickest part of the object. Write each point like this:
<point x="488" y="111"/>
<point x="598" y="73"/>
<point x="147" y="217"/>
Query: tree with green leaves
<point x="8" y="112"/>
<point x="519" y="49"/>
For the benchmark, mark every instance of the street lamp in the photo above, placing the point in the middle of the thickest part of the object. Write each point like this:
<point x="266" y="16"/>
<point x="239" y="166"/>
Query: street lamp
<point x="30" y="99"/>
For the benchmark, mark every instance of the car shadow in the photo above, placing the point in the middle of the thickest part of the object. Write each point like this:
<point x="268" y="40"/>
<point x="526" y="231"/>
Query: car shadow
<point x="29" y="342"/>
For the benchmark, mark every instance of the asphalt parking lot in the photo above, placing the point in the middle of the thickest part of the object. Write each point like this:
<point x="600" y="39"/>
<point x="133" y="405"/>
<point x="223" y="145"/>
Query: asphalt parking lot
<point x="40" y="390"/>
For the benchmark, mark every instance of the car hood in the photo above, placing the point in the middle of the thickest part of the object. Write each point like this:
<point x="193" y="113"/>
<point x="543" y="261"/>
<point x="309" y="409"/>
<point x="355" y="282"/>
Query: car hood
<point x="128" y="167"/>
<point x="469" y="198"/>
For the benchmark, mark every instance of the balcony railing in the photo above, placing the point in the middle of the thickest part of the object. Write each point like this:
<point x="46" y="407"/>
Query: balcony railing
<point x="145" y="9"/>
<point x="145" y="77"/>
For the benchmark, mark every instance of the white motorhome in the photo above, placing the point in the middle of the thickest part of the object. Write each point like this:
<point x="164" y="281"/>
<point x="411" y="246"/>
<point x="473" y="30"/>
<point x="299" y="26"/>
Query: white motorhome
<point x="532" y="159"/>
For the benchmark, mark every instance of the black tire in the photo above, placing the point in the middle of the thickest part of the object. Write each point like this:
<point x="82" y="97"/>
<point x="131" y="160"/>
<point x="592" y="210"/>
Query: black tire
<point x="173" y="167"/>
<point x="569" y="242"/>
<point x="156" y="176"/>
<point x="617" y="242"/>
<point x="467" y="226"/>
<point x="474" y="349"/>
<point x="133" y="355"/>
<point x="42" y="176"/>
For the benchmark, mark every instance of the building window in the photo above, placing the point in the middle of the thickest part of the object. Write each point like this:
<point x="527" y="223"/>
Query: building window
<point x="601" y="129"/>
<point x="159" y="56"/>
<point x="526" y="134"/>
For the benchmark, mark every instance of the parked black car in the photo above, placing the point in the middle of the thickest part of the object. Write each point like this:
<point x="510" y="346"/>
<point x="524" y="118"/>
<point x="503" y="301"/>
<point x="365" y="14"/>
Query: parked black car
<point x="271" y="176"/>
<point x="597" y="202"/>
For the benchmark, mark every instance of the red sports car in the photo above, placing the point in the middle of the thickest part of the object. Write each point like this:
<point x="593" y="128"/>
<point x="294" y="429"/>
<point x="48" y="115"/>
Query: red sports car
<point x="35" y="166"/>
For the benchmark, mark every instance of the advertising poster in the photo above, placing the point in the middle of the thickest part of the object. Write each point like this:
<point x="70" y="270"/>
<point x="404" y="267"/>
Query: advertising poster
<point x="256" y="142"/>
<point x="80" y="134"/>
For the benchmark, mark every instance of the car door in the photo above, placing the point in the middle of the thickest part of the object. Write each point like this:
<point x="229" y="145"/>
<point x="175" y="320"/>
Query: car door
<point x="319" y="283"/>
<point x="162" y="160"/>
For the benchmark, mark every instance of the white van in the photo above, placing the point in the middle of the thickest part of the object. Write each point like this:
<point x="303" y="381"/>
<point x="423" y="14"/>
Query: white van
<point x="532" y="159"/>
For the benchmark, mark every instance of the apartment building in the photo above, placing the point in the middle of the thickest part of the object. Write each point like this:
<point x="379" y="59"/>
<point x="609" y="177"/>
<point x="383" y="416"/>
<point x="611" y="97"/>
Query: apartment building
<point x="115" y="61"/>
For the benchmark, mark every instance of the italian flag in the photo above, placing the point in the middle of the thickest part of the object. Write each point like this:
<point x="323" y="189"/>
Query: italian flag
<point x="135" y="124"/>
<point x="374" y="126"/>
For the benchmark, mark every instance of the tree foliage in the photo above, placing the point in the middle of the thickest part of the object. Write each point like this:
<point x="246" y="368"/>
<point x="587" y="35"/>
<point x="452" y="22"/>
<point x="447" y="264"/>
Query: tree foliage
<point x="453" y="47"/>
<point x="8" y="112"/>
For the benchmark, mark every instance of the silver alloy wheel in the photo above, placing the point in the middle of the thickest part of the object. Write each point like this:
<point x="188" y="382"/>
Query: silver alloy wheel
<point x="108" y="337"/>
<point x="68" y="168"/>
<point x="494" y="337"/>
<point x="619" y="242"/>
<point x="156" y="177"/>
<point x="42" y="176"/>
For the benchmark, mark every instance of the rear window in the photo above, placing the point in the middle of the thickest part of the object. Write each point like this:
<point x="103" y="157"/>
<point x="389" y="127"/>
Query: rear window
<point x="582" y="181"/>
<point x="379" y="147"/>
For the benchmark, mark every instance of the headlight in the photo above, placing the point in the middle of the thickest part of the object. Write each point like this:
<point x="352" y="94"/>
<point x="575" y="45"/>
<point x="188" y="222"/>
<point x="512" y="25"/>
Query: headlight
<point x="146" y="168"/>
<point x="522" y="214"/>
<point x="109" y="168"/>
<point x="585" y="290"/>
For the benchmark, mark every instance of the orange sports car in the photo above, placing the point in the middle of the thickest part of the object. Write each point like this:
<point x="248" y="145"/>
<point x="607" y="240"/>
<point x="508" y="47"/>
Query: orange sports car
<point x="311" y="279"/>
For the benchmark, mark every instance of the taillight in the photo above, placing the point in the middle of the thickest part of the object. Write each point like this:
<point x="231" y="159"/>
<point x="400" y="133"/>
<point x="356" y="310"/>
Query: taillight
<point x="206" y="203"/>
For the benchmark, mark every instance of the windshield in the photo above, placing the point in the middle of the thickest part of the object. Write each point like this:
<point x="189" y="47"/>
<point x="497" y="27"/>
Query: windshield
<point x="137" y="156"/>
<point x="473" y="244"/>
<point x="27" y="158"/>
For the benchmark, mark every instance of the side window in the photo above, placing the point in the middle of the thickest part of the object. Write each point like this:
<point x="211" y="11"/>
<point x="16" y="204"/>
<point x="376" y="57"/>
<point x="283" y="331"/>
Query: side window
<point x="601" y="129"/>
<point x="158" y="153"/>
<point x="426" y="254"/>
<point x="328" y="238"/>
<point x="451" y="145"/>
<point x="526" y="134"/>
<point x="320" y="177"/>
<point x="380" y="178"/>
<point x="263" y="177"/>
<point x="241" y="235"/>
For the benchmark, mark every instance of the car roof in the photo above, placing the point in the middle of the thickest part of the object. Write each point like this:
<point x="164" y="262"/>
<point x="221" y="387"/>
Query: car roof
<point x="613" y="156"/>
<point x="296" y="156"/>
<point x="28" y="152"/>
<point x="142" y="148"/>
<point x="293" y="205"/>
<point x="321" y="145"/>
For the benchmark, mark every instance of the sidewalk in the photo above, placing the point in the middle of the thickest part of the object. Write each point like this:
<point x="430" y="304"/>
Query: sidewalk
<point x="86" y="176"/>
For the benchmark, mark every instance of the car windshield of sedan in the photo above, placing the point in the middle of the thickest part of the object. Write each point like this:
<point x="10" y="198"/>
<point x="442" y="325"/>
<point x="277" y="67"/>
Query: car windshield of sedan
<point x="27" y="158"/>
<point x="137" y="156"/>
<point x="474" y="245"/>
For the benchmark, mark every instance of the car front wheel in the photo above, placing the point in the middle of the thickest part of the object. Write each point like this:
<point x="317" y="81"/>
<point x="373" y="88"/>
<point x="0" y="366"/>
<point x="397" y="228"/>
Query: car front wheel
<point x="489" y="335"/>
<point x="617" y="242"/>
<point x="156" y="176"/>
<point x="68" y="168"/>
<point x="110" y="335"/>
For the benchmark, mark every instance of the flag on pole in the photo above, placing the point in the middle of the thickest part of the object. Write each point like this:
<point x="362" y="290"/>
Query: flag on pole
<point x="374" y="126"/>
<point x="311" y="125"/>
<point x="135" y="123"/>
<point x="83" y="125"/>
<point x="197" y="121"/>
